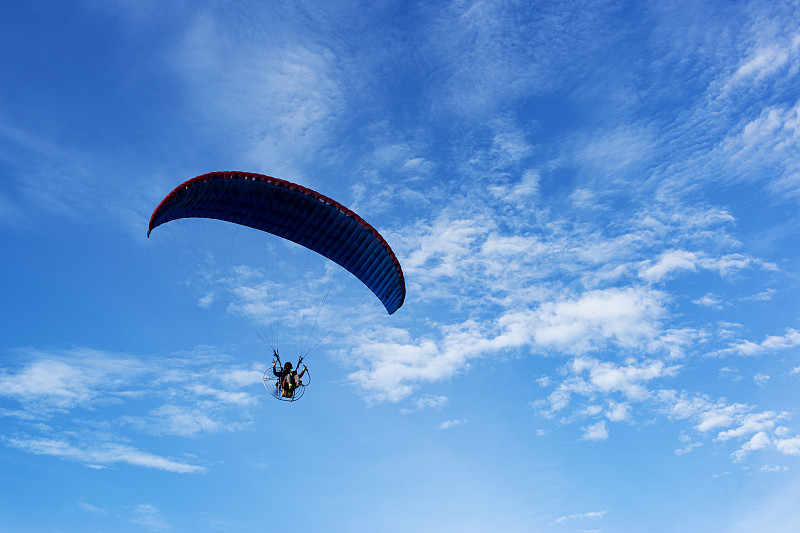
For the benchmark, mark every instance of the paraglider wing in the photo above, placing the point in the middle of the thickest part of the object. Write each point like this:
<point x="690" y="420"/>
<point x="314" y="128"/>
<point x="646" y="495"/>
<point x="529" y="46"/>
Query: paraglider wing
<point x="295" y="213"/>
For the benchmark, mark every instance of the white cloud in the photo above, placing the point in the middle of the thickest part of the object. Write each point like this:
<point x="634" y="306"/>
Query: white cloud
<point x="79" y="378"/>
<point x="449" y="424"/>
<point x="223" y="396"/>
<point x="710" y="300"/>
<point x="667" y="263"/>
<point x="715" y="417"/>
<point x="591" y="411"/>
<point x="790" y="446"/>
<point x="760" y="429"/>
<point x="618" y="411"/>
<point x="730" y="373"/>
<point x="763" y="62"/>
<point x="519" y="193"/>
<point x="276" y="100"/>
<point x="761" y="379"/>
<point x="206" y="300"/>
<point x="523" y="260"/>
<point x="592" y="515"/>
<point x="689" y="445"/>
<point x="150" y="517"/>
<point x="596" y="432"/>
<point x="763" y="296"/>
<point x="107" y="453"/>
<point x="627" y="317"/>
<point x="624" y="318"/>
<point x="769" y="140"/>
<point x="416" y="164"/>
<point x="771" y="343"/>
<point x="444" y="247"/>
<point x="427" y="402"/>
<point x="173" y="420"/>
<point x="596" y="380"/>
<point x="197" y="394"/>
<point x="752" y="423"/>
<point x="91" y="508"/>
<point x="238" y="377"/>
<point x="590" y="377"/>
<point x="614" y="152"/>
<point x="758" y="441"/>
<point x="682" y="260"/>
<point x="607" y="377"/>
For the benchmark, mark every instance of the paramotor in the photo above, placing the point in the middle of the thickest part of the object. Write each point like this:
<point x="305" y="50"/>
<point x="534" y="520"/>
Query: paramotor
<point x="298" y="214"/>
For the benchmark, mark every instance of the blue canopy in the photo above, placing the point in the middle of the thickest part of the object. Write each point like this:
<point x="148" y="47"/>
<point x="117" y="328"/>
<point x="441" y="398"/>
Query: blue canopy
<point x="295" y="213"/>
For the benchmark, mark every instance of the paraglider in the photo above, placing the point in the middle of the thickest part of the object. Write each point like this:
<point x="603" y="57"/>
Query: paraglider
<point x="286" y="384"/>
<point x="297" y="214"/>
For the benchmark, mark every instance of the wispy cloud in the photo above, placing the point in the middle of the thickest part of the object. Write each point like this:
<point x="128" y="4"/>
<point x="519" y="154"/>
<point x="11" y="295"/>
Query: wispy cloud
<point x="149" y="517"/>
<point x="91" y="508"/>
<point x="755" y="430"/>
<point x="479" y="264"/>
<point x="677" y="260"/>
<point x="449" y="424"/>
<point x="688" y="444"/>
<point x="710" y="300"/>
<point x="102" y="454"/>
<point x="588" y="377"/>
<point x="747" y="428"/>
<point x="765" y="61"/>
<point x="761" y="379"/>
<point x="76" y="378"/>
<point x="773" y="468"/>
<point x="427" y="402"/>
<point x="276" y="100"/>
<point x="770" y="344"/>
<point x="506" y="60"/>
<point x="197" y="395"/>
<point x="591" y="515"/>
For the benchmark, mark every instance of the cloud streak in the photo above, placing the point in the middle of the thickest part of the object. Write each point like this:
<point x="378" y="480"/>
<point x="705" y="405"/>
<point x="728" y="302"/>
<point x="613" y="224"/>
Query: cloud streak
<point x="52" y="390"/>
<point x="103" y="454"/>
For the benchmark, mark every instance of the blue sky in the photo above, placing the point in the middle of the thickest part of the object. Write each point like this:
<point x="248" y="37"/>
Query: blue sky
<point x="595" y="208"/>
